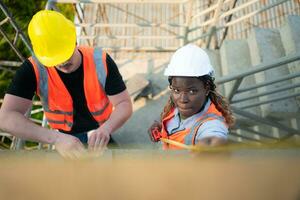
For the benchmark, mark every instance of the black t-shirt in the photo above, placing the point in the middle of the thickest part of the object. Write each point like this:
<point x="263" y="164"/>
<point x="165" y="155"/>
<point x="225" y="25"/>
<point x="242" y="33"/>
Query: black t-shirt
<point x="24" y="85"/>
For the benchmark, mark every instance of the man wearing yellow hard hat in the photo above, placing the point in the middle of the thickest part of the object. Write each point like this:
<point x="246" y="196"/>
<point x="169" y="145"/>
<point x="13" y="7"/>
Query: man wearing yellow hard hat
<point x="81" y="90"/>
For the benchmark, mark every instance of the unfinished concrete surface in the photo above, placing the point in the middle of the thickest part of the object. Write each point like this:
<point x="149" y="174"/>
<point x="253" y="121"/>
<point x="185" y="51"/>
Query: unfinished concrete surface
<point x="146" y="109"/>
<point x="290" y="37"/>
<point x="259" y="175"/>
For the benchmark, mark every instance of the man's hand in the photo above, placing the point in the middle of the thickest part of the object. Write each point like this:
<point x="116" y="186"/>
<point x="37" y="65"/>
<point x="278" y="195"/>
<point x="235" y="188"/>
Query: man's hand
<point x="69" y="146"/>
<point x="98" y="139"/>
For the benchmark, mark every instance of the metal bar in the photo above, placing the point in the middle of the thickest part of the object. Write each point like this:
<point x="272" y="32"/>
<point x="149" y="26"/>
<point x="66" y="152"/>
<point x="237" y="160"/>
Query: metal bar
<point x="15" y="38"/>
<point x="140" y="18"/>
<point x="231" y="11"/>
<point x="79" y="8"/>
<point x="95" y="18"/>
<point x="226" y="29"/>
<point x="44" y="124"/>
<point x="7" y="69"/>
<point x="197" y="27"/>
<point x="188" y="20"/>
<point x="204" y="35"/>
<point x="103" y="13"/>
<point x="211" y="32"/>
<point x="260" y="67"/>
<point x="142" y="25"/>
<point x="10" y="63"/>
<point x="262" y="120"/>
<point x="214" y="23"/>
<point x="4" y="21"/>
<point x="16" y="27"/>
<point x="258" y="133"/>
<point x="11" y="44"/>
<point x="271" y="100"/>
<point x="37" y="111"/>
<point x="271" y="91"/>
<point x="240" y="19"/>
<point x="243" y="136"/>
<point x="142" y="48"/>
<point x="234" y="88"/>
<point x="209" y="9"/>
<point x="140" y="37"/>
<point x="255" y="13"/>
<point x="182" y="30"/>
<point x="288" y="77"/>
<point x="120" y="1"/>
<point x="80" y="18"/>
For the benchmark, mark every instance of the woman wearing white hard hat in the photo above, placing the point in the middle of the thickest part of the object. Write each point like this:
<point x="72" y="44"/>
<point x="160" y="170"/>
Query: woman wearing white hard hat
<point x="195" y="113"/>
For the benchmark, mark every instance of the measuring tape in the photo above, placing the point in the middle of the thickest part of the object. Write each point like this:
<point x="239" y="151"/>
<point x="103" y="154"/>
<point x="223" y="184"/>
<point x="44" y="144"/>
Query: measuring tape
<point x="231" y="147"/>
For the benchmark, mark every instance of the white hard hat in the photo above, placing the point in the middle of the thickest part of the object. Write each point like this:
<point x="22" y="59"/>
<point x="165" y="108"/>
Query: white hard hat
<point x="189" y="60"/>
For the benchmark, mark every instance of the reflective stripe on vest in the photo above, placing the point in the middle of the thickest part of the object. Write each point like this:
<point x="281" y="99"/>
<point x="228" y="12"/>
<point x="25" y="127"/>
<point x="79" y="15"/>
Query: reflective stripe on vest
<point x="188" y="136"/>
<point x="191" y="137"/>
<point x="100" y="68"/>
<point x="56" y="100"/>
<point x="99" y="105"/>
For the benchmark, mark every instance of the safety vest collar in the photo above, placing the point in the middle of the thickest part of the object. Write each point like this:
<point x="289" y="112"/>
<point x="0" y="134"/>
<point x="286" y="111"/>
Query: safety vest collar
<point x="190" y="139"/>
<point x="188" y="135"/>
<point x="56" y="100"/>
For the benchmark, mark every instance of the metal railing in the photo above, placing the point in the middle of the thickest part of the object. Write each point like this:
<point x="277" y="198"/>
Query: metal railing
<point x="252" y="70"/>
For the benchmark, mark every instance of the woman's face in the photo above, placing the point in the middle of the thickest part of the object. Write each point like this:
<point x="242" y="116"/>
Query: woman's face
<point x="188" y="94"/>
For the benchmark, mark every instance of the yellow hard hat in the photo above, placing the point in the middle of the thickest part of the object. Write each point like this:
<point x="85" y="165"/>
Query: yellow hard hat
<point x="53" y="37"/>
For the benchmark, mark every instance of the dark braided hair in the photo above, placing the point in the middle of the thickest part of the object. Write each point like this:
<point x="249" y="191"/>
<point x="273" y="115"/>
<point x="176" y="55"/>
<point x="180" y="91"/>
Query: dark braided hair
<point x="220" y="102"/>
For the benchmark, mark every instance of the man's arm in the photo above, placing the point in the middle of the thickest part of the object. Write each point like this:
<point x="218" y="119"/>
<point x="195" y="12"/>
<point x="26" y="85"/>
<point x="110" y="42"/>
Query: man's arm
<point x="122" y="111"/>
<point x="13" y="120"/>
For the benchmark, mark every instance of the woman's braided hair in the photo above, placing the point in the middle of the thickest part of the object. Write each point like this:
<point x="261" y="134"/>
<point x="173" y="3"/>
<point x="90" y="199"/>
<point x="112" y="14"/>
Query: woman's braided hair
<point x="220" y="102"/>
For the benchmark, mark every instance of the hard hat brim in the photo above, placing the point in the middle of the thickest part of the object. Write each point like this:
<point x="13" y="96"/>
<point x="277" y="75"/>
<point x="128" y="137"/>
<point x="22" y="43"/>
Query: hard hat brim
<point x="61" y="56"/>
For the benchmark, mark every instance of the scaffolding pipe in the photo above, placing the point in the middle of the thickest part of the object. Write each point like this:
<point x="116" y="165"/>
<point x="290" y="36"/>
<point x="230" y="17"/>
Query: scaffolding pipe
<point x="284" y="78"/>
<point x="16" y="27"/>
<point x="262" y="120"/>
<point x="260" y="67"/>
<point x="272" y="91"/>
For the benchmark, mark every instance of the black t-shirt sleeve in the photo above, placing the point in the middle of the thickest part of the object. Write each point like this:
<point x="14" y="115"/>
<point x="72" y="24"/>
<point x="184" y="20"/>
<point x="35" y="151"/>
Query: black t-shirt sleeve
<point x="24" y="81"/>
<point x="114" y="81"/>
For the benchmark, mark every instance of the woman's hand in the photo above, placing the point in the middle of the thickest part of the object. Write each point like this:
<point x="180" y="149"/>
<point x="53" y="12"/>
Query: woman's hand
<point x="211" y="141"/>
<point x="154" y="131"/>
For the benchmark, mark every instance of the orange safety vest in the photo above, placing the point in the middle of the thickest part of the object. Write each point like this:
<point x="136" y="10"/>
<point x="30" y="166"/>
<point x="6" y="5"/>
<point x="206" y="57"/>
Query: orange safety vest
<point x="188" y="136"/>
<point x="56" y="100"/>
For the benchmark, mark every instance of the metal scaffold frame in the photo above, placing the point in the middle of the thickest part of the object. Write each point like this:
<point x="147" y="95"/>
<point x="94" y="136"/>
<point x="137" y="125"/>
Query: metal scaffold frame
<point x="176" y="22"/>
<point x="161" y="26"/>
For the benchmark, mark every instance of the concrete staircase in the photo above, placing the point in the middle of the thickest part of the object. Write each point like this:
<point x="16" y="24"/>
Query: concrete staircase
<point x="235" y="56"/>
<point x="264" y="46"/>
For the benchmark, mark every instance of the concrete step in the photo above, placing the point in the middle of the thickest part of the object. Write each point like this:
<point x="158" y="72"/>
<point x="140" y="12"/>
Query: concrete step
<point x="290" y="37"/>
<point x="214" y="56"/>
<point x="235" y="57"/>
<point x="133" y="133"/>
<point x="265" y="46"/>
